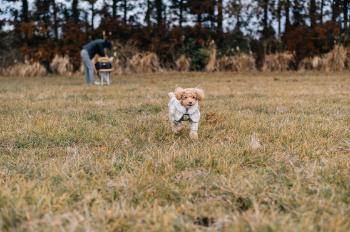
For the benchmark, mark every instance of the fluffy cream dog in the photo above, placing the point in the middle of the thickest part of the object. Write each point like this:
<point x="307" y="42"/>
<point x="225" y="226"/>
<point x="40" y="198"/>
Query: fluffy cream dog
<point x="183" y="106"/>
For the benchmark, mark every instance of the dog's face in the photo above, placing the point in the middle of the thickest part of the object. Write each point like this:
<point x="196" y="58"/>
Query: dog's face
<point x="189" y="97"/>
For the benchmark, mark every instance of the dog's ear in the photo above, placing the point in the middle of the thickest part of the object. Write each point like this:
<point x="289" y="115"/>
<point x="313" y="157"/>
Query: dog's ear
<point x="179" y="92"/>
<point x="200" y="94"/>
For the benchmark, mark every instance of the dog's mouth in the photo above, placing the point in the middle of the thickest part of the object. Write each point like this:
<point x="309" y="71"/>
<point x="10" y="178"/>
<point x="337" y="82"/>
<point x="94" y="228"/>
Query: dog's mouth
<point x="187" y="105"/>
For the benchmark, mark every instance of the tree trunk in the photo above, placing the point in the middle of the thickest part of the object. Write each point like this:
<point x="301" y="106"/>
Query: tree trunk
<point x="287" y="9"/>
<point x="313" y="12"/>
<point x="114" y="9"/>
<point x="238" y="16"/>
<point x="345" y="15"/>
<point x="92" y="15"/>
<point x="181" y="12"/>
<point x="125" y="11"/>
<point x="321" y="15"/>
<point x="55" y="20"/>
<point x="148" y="13"/>
<point x="220" y="16"/>
<point x="199" y="19"/>
<point x="24" y="9"/>
<point x="211" y="13"/>
<point x="335" y="10"/>
<point x="266" y="13"/>
<point x="297" y="13"/>
<point x="279" y="16"/>
<point x="75" y="10"/>
<point x="86" y="20"/>
<point x="159" y="9"/>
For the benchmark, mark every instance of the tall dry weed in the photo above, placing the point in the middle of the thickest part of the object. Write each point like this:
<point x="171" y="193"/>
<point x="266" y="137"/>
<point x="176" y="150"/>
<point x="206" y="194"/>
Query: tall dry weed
<point x="245" y="62"/>
<point x="227" y="63"/>
<point x="117" y="67"/>
<point x="144" y="63"/>
<point x="241" y="62"/>
<point x="211" y="66"/>
<point x="26" y="69"/>
<point x="183" y="64"/>
<point x="347" y="60"/>
<point x="123" y="53"/>
<point x="61" y="66"/>
<point x="311" y="63"/>
<point x="334" y="61"/>
<point x="278" y="62"/>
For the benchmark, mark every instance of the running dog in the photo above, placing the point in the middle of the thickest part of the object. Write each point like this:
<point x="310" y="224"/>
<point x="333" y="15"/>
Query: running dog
<point x="183" y="106"/>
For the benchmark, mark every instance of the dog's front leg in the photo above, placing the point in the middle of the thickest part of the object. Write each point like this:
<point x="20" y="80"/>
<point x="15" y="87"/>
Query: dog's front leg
<point x="194" y="135"/>
<point x="194" y="130"/>
<point x="176" y="127"/>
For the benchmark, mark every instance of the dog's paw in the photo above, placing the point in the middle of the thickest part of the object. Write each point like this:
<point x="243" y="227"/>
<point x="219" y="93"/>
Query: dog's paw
<point x="176" y="128"/>
<point x="194" y="135"/>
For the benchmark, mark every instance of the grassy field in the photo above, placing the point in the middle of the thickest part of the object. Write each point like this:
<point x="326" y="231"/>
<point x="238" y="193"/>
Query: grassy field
<point x="273" y="154"/>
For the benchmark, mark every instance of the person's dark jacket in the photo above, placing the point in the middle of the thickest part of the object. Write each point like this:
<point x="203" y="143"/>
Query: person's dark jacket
<point x="97" y="47"/>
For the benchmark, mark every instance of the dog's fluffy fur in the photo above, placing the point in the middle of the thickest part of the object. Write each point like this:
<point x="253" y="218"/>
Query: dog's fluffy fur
<point x="183" y="106"/>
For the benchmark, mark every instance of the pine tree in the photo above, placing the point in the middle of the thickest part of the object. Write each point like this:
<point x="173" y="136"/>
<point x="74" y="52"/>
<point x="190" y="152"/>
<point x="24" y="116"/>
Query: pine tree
<point x="313" y="12"/>
<point x="179" y="8"/>
<point x="297" y="10"/>
<point x="220" y="17"/>
<point x="42" y="16"/>
<point x="24" y="16"/>
<point x="159" y="5"/>
<point x="126" y="6"/>
<point x="203" y="10"/>
<point x="92" y="12"/>
<point x="75" y="10"/>
<point x="345" y="7"/>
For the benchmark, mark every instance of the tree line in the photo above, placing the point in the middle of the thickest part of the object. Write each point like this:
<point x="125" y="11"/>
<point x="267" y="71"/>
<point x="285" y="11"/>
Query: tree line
<point x="40" y="29"/>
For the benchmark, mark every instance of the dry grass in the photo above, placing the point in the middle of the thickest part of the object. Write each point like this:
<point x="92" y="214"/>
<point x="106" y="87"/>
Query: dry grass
<point x="27" y="69"/>
<point x="273" y="154"/>
<point x="61" y="66"/>
<point x="336" y="60"/>
<point x="278" y="62"/>
<point x="118" y="68"/>
<point x="245" y="62"/>
<point x="311" y="64"/>
<point x="144" y="63"/>
<point x="239" y="63"/>
<point x="227" y="63"/>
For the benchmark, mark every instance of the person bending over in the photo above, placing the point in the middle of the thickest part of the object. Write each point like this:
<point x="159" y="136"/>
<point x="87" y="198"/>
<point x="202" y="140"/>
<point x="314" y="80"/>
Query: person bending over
<point x="96" y="47"/>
